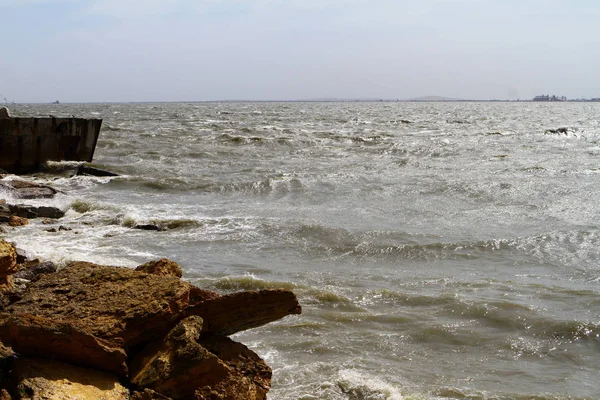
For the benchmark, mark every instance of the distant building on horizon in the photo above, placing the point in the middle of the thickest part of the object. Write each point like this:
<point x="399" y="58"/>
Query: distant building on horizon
<point x="549" y="98"/>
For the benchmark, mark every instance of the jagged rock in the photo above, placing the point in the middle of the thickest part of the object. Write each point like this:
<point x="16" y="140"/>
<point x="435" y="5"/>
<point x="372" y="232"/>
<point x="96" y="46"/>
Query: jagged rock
<point x="34" y="269"/>
<point x="92" y="171"/>
<point x="216" y="368"/>
<point x="48" y="379"/>
<point x="236" y="312"/>
<point x="21" y="189"/>
<point x="178" y="365"/>
<point x="163" y="267"/>
<point x="50" y="212"/>
<point x="249" y="376"/>
<point x="4" y="395"/>
<point x="112" y="309"/>
<point x="147" y="394"/>
<point x="8" y="258"/>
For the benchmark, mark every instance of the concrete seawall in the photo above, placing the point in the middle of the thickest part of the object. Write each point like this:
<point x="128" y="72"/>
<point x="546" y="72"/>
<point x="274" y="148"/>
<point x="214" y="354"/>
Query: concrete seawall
<point x="26" y="144"/>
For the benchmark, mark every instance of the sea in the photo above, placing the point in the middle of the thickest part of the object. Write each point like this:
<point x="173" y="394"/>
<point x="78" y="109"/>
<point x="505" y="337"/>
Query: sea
<point x="441" y="250"/>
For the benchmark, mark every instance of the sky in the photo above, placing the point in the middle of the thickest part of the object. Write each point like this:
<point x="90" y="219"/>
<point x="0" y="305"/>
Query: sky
<point x="200" y="50"/>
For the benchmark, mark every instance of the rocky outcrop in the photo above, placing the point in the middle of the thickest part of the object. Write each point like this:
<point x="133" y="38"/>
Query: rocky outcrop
<point x="236" y="312"/>
<point x="4" y="112"/>
<point x="162" y="267"/>
<point x="110" y="308"/>
<point x="147" y="327"/>
<point x="48" y="379"/>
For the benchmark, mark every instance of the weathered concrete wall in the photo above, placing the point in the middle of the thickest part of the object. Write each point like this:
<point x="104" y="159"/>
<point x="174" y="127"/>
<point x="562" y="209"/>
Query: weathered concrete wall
<point x="27" y="143"/>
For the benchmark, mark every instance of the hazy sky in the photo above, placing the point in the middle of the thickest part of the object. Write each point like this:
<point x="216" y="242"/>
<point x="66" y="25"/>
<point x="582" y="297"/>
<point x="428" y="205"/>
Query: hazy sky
<point x="168" y="50"/>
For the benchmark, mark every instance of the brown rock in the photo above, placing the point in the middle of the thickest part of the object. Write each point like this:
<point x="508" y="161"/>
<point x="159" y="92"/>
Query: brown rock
<point x="147" y="394"/>
<point x="110" y="309"/>
<point x="249" y="376"/>
<point x="32" y="335"/>
<point x="8" y="258"/>
<point x="182" y="367"/>
<point x="4" y="395"/>
<point x="48" y="379"/>
<point x="236" y="312"/>
<point x="178" y="365"/>
<point x="163" y="267"/>
<point x="17" y="221"/>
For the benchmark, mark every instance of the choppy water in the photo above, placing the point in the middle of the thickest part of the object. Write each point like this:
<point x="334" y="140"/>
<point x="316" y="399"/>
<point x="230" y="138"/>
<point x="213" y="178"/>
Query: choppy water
<point x="439" y="250"/>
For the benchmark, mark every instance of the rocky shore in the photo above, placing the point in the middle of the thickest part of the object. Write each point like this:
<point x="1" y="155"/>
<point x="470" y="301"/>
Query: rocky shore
<point x="88" y="331"/>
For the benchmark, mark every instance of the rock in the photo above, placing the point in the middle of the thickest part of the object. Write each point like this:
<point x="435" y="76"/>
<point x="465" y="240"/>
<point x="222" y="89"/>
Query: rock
<point x="50" y="212"/>
<point x="176" y="366"/>
<point x="236" y="312"/>
<point x="4" y="395"/>
<point x="22" y="189"/>
<point x="91" y="171"/>
<point x="17" y="221"/>
<point x="147" y="394"/>
<point x="4" y="112"/>
<point x="148" y="227"/>
<point x="8" y="258"/>
<point x="22" y="256"/>
<point x="27" y="211"/>
<point x="249" y="376"/>
<point x="162" y="267"/>
<point x="23" y="210"/>
<point x="33" y="271"/>
<point x="111" y="309"/>
<point x="182" y="367"/>
<point x="48" y="379"/>
<point x="68" y="341"/>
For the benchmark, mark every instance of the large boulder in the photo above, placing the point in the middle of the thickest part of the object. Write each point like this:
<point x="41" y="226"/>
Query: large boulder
<point x="48" y="379"/>
<point x="182" y="367"/>
<point x="110" y="309"/>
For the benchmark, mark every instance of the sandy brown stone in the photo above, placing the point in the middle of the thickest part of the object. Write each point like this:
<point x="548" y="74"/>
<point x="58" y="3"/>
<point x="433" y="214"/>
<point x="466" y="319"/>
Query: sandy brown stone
<point x="176" y="366"/>
<point x="236" y="312"/>
<point x="184" y="366"/>
<point x="249" y="377"/>
<point x="163" y="267"/>
<point x="48" y="379"/>
<point x="110" y="308"/>
<point x="17" y="221"/>
<point x="8" y="258"/>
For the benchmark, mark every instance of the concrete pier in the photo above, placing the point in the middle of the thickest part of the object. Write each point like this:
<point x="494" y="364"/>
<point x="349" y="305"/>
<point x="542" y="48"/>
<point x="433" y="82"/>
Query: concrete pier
<point x="26" y="144"/>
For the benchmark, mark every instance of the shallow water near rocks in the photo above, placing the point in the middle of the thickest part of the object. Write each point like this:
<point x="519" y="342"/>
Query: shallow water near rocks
<point x="439" y="250"/>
